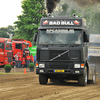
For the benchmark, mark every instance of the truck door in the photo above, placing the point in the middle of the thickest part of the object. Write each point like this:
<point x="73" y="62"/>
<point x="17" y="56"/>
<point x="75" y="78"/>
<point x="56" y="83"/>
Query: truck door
<point x="1" y="52"/>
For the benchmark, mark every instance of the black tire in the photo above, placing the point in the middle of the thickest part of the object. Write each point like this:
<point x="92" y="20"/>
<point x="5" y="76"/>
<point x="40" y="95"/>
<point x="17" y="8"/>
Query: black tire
<point x="82" y="80"/>
<point x="43" y="79"/>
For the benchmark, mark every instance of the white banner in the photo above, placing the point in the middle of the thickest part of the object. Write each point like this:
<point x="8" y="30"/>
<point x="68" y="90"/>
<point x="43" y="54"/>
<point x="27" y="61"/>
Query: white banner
<point x="93" y="52"/>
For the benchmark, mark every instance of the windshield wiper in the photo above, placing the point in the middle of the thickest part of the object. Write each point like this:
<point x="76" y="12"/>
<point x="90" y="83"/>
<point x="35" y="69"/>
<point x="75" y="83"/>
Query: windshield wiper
<point x="59" y="55"/>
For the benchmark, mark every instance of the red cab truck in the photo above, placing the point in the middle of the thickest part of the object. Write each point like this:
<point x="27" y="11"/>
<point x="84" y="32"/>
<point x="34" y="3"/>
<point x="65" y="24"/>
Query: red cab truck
<point x="20" y="45"/>
<point x="6" y="54"/>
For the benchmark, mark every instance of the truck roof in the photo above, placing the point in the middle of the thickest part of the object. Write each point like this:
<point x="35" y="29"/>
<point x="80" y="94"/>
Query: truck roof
<point x="5" y="39"/>
<point x="62" y="22"/>
<point x="17" y="42"/>
<point x="22" y="41"/>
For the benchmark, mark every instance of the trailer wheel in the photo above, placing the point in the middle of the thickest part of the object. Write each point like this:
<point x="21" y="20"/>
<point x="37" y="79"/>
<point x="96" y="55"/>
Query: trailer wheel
<point x="82" y="80"/>
<point x="43" y="79"/>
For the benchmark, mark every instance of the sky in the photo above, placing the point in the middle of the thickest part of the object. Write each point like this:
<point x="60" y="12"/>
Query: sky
<point x="9" y="10"/>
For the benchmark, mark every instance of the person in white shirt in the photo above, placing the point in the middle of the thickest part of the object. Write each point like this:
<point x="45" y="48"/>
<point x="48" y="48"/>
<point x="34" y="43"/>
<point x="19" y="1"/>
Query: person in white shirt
<point x="16" y="60"/>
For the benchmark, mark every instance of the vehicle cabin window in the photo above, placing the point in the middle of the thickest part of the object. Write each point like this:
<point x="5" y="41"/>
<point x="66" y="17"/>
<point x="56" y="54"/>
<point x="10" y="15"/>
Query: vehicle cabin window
<point x="60" y="36"/>
<point x="18" y="46"/>
<point x="1" y="45"/>
<point x="8" y="46"/>
<point x="25" y="46"/>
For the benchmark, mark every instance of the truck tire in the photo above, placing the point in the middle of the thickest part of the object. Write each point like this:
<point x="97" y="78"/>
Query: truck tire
<point x="82" y="80"/>
<point x="43" y="79"/>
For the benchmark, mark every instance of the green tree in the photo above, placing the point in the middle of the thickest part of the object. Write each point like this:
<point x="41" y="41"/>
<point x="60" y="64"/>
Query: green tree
<point x="29" y="21"/>
<point x="3" y="33"/>
<point x="4" y="30"/>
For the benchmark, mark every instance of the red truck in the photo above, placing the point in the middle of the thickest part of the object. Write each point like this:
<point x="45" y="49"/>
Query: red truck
<point x="6" y="53"/>
<point x="22" y="46"/>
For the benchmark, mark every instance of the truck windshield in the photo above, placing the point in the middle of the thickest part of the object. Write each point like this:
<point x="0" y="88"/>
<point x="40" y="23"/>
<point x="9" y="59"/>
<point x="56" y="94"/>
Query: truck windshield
<point x="1" y="45"/>
<point x="18" y="46"/>
<point x="60" y="36"/>
<point x="8" y="46"/>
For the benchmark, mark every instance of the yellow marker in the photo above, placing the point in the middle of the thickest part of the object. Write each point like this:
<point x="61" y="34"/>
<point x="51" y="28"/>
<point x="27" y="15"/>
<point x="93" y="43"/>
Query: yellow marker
<point x="96" y="73"/>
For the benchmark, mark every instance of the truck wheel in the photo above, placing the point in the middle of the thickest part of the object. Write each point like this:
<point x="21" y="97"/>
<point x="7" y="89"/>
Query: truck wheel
<point x="43" y="79"/>
<point x="82" y="80"/>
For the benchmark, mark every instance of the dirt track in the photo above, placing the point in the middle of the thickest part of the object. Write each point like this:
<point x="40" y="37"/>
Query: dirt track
<point x="26" y="87"/>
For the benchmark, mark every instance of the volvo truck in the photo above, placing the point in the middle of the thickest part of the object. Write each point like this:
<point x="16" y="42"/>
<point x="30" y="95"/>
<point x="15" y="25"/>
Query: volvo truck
<point x="62" y="50"/>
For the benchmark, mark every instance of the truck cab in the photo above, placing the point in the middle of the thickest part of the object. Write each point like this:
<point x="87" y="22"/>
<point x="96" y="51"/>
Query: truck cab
<point x="6" y="54"/>
<point x="22" y="47"/>
<point x="62" y="49"/>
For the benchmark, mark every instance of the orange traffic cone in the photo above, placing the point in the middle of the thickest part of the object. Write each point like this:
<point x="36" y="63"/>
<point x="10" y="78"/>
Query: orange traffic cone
<point x="25" y="71"/>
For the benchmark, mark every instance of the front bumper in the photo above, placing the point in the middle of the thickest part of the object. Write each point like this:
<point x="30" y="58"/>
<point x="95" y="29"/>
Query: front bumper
<point x="60" y="71"/>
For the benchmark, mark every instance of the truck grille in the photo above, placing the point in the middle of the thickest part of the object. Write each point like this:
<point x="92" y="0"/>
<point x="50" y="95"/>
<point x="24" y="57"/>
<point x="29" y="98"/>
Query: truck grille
<point x="50" y="54"/>
<point x="9" y="54"/>
<point x="54" y="53"/>
<point x="9" y="59"/>
<point x="59" y="65"/>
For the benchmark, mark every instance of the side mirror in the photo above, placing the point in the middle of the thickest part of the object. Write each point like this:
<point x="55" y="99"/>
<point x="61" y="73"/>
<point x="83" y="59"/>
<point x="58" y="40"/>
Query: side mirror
<point x="86" y="37"/>
<point x="35" y="37"/>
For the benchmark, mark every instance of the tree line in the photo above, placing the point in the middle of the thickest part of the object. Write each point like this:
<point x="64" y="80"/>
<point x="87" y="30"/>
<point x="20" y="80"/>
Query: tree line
<point x="34" y="10"/>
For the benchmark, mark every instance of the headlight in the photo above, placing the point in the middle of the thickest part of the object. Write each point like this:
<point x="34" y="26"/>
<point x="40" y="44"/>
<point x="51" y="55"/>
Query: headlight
<point x="76" y="65"/>
<point x="41" y="65"/>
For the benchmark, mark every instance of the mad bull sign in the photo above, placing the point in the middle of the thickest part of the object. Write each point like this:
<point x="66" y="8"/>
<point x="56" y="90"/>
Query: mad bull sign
<point x="61" y="22"/>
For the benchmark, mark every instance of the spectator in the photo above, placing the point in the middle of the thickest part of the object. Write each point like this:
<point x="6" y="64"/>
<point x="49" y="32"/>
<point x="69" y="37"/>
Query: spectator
<point x="16" y="60"/>
<point x="28" y="58"/>
<point x="79" y="38"/>
<point x="19" y="60"/>
<point x="32" y="58"/>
